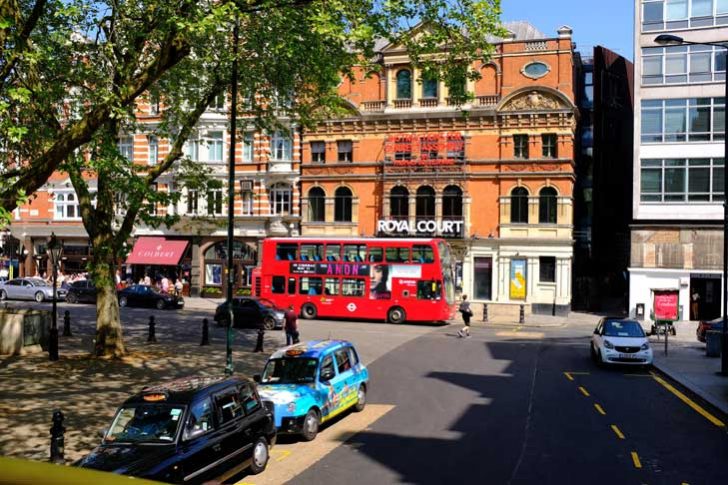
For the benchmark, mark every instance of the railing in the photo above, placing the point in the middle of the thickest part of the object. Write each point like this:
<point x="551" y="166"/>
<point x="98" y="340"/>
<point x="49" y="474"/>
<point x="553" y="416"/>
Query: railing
<point x="402" y="103"/>
<point x="373" y="106"/>
<point x="428" y="102"/>
<point x="487" y="101"/>
<point x="535" y="46"/>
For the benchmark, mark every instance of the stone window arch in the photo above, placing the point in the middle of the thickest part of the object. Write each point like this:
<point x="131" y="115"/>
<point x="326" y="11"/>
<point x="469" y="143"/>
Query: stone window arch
<point x="399" y="203"/>
<point x="316" y="205"/>
<point x="547" y="205"/>
<point x="519" y="206"/>
<point x="343" y="205"/>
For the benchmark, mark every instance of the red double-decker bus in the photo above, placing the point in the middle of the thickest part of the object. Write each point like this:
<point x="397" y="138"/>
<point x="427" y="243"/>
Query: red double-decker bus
<point x="395" y="280"/>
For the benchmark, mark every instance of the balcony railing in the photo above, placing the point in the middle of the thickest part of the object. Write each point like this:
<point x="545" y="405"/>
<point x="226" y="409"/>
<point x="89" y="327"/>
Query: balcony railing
<point x="373" y="105"/>
<point x="402" y="103"/>
<point x="487" y="101"/>
<point x="428" y="102"/>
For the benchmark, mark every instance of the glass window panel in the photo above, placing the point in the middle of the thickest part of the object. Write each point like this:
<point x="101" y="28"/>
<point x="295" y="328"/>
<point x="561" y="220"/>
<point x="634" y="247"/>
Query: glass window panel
<point x="718" y="120"/>
<point x="699" y="180"/>
<point x="699" y="120"/>
<point x="718" y="180"/>
<point x="429" y="88"/>
<point x="674" y="180"/>
<point x="651" y="103"/>
<point x="676" y="9"/>
<point x="676" y="64"/>
<point x="700" y="62"/>
<point x="652" y="66"/>
<point x="675" y="123"/>
<point x="651" y="181"/>
<point x="701" y="8"/>
<point x="720" y="60"/>
<point x="651" y="122"/>
<point x="404" y="84"/>
<point x="721" y="6"/>
<point x="652" y="163"/>
<point x="652" y="12"/>
<point x="699" y="162"/>
<point x="675" y="162"/>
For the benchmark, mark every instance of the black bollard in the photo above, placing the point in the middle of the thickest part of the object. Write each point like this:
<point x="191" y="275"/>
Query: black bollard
<point x="522" y="315"/>
<point x="205" y="332"/>
<point x="152" y="334"/>
<point x="485" y="312"/>
<point x="53" y="344"/>
<point x="259" y="342"/>
<point x="57" y="439"/>
<point x="67" y="324"/>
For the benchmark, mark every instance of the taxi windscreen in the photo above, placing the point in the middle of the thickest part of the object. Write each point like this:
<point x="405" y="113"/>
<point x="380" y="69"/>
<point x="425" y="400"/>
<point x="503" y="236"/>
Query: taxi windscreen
<point x="145" y="423"/>
<point x="289" y="371"/>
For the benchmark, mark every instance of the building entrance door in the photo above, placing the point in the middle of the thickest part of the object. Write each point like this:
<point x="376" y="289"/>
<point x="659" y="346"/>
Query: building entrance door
<point x="707" y="287"/>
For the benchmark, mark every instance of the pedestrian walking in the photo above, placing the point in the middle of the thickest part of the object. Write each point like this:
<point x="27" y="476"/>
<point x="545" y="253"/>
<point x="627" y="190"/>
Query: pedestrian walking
<point x="466" y="313"/>
<point x="695" y="304"/>
<point x="178" y="287"/>
<point x="291" y="326"/>
<point x="165" y="284"/>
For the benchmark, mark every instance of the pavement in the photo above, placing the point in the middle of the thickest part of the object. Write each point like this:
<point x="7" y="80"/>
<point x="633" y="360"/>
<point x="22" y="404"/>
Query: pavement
<point x="687" y="364"/>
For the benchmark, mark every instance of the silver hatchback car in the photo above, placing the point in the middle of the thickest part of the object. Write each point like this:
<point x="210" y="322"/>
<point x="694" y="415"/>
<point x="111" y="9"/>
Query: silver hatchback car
<point x="29" y="289"/>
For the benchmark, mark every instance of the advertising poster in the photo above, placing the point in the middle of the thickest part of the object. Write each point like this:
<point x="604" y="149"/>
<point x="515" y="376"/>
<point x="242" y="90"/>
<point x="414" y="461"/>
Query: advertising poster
<point x="665" y="305"/>
<point x="518" y="279"/>
<point x="380" y="284"/>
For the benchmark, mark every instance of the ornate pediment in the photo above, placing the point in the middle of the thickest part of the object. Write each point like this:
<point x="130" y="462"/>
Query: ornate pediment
<point x="533" y="101"/>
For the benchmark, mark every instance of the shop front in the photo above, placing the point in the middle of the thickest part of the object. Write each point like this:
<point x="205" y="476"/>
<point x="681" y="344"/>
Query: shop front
<point x="157" y="258"/>
<point x="214" y="266"/>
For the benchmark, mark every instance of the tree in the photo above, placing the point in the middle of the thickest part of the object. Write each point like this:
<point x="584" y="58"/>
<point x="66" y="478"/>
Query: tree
<point x="73" y="71"/>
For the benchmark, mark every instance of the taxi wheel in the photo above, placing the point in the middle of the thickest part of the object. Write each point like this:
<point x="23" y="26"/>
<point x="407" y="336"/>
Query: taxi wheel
<point x="308" y="311"/>
<point x="361" y="400"/>
<point x="395" y="315"/>
<point x="260" y="456"/>
<point x="310" y="426"/>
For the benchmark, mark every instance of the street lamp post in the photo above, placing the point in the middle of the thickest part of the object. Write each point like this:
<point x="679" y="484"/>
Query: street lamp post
<point x="55" y="251"/>
<point x="231" y="201"/>
<point x="668" y="39"/>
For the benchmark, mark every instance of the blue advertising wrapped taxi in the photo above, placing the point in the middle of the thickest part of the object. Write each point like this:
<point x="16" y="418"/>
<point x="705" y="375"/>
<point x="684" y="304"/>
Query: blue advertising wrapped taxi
<point x="307" y="384"/>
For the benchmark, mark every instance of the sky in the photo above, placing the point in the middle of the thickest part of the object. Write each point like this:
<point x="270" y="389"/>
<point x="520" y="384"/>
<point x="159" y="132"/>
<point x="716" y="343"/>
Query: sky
<point x="595" y="22"/>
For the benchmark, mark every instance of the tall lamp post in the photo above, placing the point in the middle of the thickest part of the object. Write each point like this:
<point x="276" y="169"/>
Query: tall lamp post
<point x="231" y="201"/>
<point x="55" y="251"/>
<point x="668" y="40"/>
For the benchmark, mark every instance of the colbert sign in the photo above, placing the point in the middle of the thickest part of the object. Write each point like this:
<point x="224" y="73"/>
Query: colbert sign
<point x="446" y="228"/>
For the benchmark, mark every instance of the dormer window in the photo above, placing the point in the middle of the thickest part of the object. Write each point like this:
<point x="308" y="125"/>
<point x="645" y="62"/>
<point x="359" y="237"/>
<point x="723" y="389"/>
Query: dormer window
<point x="404" y="84"/>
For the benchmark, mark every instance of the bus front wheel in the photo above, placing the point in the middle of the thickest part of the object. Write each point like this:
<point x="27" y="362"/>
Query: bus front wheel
<point x="395" y="315"/>
<point x="308" y="311"/>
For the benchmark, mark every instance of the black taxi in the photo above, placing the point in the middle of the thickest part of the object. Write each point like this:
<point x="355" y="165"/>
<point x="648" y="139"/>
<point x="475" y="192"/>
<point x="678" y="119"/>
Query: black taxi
<point x="188" y="430"/>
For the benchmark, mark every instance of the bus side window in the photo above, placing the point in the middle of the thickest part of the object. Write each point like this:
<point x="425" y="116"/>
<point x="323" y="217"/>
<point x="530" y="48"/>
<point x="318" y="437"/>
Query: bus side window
<point x="278" y="285"/>
<point x="423" y="254"/>
<point x="311" y="252"/>
<point x="354" y="253"/>
<point x="333" y="252"/>
<point x="352" y="287"/>
<point x="375" y="255"/>
<point x="310" y="286"/>
<point x="393" y="255"/>
<point x="404" y="255"/>
<point x="331" y="286"/>
<point x="429" y="290"/>
<point x="291" y="286"/>
<point x="287" y="251"/>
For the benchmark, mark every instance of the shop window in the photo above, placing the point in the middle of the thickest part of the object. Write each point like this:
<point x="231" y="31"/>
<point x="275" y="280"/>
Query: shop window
<point x="352" y="287"/>
<point x="213" y="274"/>
<point x="483" y="278"/>
<point x="547" y="269"/>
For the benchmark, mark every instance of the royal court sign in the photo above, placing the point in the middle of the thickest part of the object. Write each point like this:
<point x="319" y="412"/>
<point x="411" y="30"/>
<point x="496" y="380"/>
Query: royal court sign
<point x="420" y="228"/>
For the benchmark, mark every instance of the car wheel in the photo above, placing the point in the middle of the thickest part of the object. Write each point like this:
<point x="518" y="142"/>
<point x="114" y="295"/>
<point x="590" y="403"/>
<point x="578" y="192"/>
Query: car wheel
<point x="600" y="362"/>
<point x="39" y="297"/>
<point x="160" y="305"/>
<point x="269" y="323"/>
<point x="593" y="352"/>
<point x="396" y="315"/>
<point x="3" y="295"/>
<point x="308" y="311"/>
<point x="361" y="398"/>
<point x="310" y="426"/>
<point x="260" y="456"/>
<point x="123" y="301"/>
<point x="71" y="298"/>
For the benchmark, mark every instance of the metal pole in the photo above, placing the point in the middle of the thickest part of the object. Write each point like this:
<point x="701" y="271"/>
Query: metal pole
<point x="53" y="346"/>
<point x="231" y="200"/>
<point x="724" y="341"/>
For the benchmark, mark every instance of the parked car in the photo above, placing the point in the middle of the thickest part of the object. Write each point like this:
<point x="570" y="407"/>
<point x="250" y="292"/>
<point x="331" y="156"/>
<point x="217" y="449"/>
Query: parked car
<point x="36" y="289"/>
<point x="83" y="291"/>
<point x="147" y="296"/>
<point x="620" y="341"/>
<point x="310" y="383"/>
<point x="189" y="430"/>
<point x="250" y="312"/>
<point x="703" y="326"/>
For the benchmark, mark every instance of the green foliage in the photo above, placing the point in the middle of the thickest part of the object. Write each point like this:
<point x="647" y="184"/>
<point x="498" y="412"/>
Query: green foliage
<point x="211" y="292"/>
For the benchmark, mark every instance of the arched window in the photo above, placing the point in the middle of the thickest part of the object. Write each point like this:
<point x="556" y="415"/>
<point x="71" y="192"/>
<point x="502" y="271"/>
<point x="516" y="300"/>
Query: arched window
<point x="452" y="203"/>
<point x="519" y="206"/>
<point x="280" y="199"/>
<point x="316" y="205"/>
<point x="399" y="203"/>
<point x="404" y="84"/>
<point x="342" y="205"/>
<point x="547" y="206"/>
<point x="429" y="88"/>
<point x="425" y="203"/>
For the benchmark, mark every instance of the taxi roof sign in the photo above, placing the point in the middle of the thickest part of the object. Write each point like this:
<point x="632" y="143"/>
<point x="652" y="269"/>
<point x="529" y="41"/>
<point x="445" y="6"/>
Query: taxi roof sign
<point x="294" y="352"/>
<point x="155" y="397"/>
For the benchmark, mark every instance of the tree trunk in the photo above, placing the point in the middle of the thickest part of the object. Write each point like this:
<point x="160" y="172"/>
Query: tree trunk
<point x="109" y="338"/>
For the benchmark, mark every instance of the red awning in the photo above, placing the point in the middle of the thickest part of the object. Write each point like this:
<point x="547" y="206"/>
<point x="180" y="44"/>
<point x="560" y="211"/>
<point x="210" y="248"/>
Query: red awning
<point x="157" y="251"/>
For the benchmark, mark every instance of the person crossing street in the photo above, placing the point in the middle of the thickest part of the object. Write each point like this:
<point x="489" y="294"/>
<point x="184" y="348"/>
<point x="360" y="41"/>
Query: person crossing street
<point x="466" y="313"/>
<point x="291" y="326"/>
